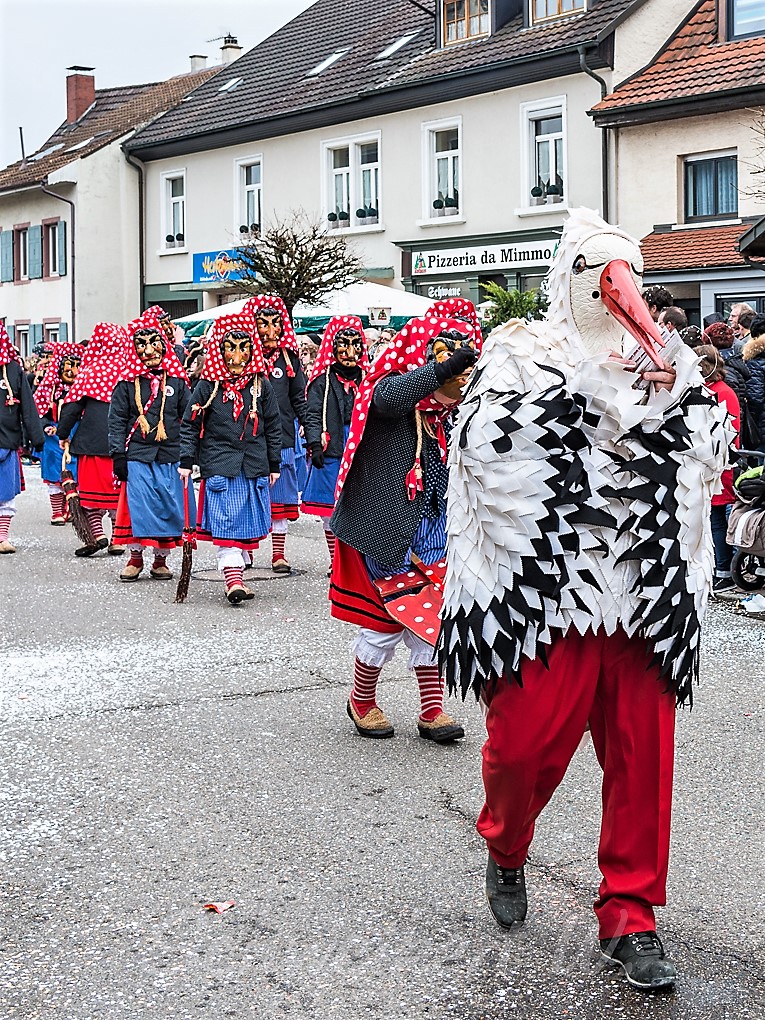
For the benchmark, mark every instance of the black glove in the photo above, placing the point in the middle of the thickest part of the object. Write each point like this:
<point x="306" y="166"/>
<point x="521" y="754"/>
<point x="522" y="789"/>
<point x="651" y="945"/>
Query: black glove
<point x="317" y="455"/>
<point x="455" y="365"/>
<point x="119" y="466"/>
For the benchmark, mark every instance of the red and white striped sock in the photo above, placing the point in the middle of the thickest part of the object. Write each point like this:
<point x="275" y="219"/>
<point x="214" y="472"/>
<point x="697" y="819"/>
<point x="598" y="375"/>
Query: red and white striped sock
<point x="5" y="527"/>
<point x="331" y="540"/>
<point x="364" y="691"/>
<point x="136" y="558"/>
<point x="278" y="542"/>
<point x="431" y="692"/>
<point x="57" y="504"/>
<point x="96" y="522"/>
<point x="232" y="576"/>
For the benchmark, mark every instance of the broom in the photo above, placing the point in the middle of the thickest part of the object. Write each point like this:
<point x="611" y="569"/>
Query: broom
<point x="189" y="544"/>
<point x="79" y="518"/>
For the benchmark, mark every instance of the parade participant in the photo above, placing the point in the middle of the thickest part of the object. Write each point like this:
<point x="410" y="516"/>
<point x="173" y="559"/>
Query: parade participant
<point x="62" y="367"/>
<point x="147" y="407"/>
<point x="86" y="410"/>
<point x="391" y="507"/>
<point x="332" y="387"/>
<point x="17" y="413"/>
<point x="579" y="565"/>
<point x="232" y="428"/>
<point x="282" y="355"/>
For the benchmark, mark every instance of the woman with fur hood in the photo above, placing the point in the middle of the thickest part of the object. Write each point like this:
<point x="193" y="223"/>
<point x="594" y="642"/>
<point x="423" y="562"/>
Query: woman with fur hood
<point x="754" y="356"/>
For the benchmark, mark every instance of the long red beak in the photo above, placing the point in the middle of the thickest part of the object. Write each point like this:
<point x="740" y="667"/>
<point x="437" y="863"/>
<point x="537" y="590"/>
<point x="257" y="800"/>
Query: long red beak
<point x="624" y="301"/>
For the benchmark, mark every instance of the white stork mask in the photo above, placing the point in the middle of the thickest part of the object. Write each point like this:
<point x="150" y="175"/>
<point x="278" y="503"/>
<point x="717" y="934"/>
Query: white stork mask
<point x="576" y="499"/>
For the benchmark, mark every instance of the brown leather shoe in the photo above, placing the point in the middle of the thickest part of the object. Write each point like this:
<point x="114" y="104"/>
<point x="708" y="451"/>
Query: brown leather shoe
<point x="131" y="573"/>
<point x="374" y="724"/>
<point x="6" y="547"/>
<point x="248" y="593"/>
<point x="116" y="550"/>
<point x="441" y="730"/>
<point x="162" y="573"/>
<point x="281" y="566"/>
<point x="236" y="593"/>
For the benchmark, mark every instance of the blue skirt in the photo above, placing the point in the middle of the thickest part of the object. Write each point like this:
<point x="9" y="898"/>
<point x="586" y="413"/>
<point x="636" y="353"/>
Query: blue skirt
<point x="10" y="475"/>
<point x="319" y="493"/>
<point x="301" y="468"/>
<point x="284" y="494"/>
<point x="155" y="500"/>
<point x="235" y="511"/>
<point x="50" y="461"/>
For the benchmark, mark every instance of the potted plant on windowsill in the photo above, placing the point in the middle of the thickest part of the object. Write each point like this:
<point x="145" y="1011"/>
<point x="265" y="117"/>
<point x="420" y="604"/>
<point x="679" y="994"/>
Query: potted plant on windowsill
<point x="538" y="195"/>
<point x="169" y="240"/>
<point x="361" y="216"/>
<point x="438" y="205"/>
<point x="554" y="194"/>
<point x="332" y="219"/>
<point x="451" y="206"/>
<point x="344" y="219"/>
<point x="372" y="215"/>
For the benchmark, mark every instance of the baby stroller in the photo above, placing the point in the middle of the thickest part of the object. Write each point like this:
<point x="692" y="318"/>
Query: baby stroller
<point x="746" y="524"/>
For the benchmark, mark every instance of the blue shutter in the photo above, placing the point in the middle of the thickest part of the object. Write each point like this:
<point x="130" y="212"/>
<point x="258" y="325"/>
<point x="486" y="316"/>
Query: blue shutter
<point x="11" y="333"/>
<point x="35" y="253"/>
<point x="36" y="334"/>
<point x="62" y="248"/>
<point x="6" y="256"/>
<point x="63" y="331"/>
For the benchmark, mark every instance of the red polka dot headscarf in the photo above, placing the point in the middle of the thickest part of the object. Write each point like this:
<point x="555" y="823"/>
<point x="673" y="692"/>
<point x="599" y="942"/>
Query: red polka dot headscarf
<point x="288" y="340"/>
<point x="52" y="388"/>
<point x="8" y="352"/>
<point x="326" y="354"/>
<point x="170" y="364"/>
<point x="214" y="367"/>
<point x="459" y="308"/>
<point x="406" y="352"/>
<point x="103" y="363"/>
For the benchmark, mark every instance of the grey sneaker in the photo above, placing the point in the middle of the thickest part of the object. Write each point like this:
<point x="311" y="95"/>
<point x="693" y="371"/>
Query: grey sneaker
<point x="641" y="957"/>
<point x="506" y="893"/>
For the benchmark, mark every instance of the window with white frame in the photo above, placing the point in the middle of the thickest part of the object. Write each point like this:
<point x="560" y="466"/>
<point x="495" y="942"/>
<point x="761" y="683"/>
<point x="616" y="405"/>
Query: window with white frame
<point x="443" y="169"/>
<point x="21" y="259"/>
<point x="21" y="339"/>
<point x="52" y="334"/>
<point x="50" y="253"/>
<point x="544" y="10"/>
<point x="250" y="195"/>
<point x="711" y="186"/>
<point x="544" y="148"/>
<point x="174" y="209"/>
<point x="465" y="19"/>
<point x="353" y="182"/>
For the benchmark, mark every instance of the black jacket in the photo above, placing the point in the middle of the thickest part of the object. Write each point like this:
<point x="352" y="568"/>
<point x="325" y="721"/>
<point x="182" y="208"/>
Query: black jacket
<point x="339" y="411"/>
<point x="228" y="446"/>
<point x="374" y="513"/>
<point x="123" y="414"/>
<point x="737" y="375"/>
<point x="92" y="437"/>
<point x="25" y="413"/>
<point x="290" y="392"/>
<point x="754" y="358"/>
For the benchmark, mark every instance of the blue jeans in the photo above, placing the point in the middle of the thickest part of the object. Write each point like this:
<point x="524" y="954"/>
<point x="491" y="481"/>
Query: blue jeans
<point x="723" y="551"/>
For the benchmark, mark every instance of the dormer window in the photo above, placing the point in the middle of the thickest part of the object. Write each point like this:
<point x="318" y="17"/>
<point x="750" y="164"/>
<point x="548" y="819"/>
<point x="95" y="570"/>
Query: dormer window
<point x="546" y="10"/>
<point x="465" y="19"/>
<point x="745" y="18"/>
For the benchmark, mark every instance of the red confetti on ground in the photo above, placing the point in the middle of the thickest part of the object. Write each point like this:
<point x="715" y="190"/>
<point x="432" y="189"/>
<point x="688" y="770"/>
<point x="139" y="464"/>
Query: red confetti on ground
<point x="220" y="907"/>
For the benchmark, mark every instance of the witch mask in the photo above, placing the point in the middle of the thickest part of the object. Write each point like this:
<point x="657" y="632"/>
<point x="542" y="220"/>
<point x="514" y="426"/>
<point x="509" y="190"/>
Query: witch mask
<point x="68" y="370"/>
<point x="270" y="327"/>
<point x="149" y="346"/>
<point x="348" y="348"/>
<point x="441" y="348"/>
<point x="236" y="348"/>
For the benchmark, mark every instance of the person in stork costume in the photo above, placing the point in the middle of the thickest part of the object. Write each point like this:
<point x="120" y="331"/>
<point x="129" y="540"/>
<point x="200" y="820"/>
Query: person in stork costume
<point x="62" y="368"/>
<point x="334" y="381"/>
<point x="391" y="509"/>
<point x="147" y="407"/>
<point x="285" y="373"/>
<point x="18" y="415"/>
<point x="579" y="564"/>
<point x="233" y="430"/>
<point x="84" y="427"/>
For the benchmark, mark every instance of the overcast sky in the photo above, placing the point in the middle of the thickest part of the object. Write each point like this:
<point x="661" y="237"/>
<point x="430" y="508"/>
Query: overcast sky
<point x="127" y="41"/>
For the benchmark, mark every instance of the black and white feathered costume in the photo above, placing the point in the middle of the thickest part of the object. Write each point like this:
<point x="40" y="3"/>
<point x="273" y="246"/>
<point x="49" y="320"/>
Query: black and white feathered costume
<point x="575" y="499"/>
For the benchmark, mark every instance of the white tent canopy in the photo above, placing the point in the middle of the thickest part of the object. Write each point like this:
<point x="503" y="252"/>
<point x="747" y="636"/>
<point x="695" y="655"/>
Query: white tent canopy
<point x="357" y="299"/>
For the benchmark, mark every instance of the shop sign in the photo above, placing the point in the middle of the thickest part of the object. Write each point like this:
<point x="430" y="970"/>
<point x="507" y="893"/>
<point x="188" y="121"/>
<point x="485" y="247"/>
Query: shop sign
<point x="379" y="316"/>
<point x="444" y="291"/>
<point x="217" y="267"/>
<point x="484" y="258"/>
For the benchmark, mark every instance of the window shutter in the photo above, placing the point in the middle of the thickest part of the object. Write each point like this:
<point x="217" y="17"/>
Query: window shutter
<point x="36" y="334"/>
<point x="6" y="256"/>
<point x="11" y="333"/>
<point x="62" y="248"/>
<point x="63" y="332"/>
<point x="35" y="253"/>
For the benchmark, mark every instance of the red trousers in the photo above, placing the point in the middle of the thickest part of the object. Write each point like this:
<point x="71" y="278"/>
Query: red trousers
<point x="534" y="731"/>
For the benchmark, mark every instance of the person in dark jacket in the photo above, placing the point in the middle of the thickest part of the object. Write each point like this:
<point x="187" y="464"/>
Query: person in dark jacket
<point x="17" y="414"/>
<point x="391" y="505"/>
<point x="83" y="429"/>
<point x="285" y="373"/>
<point x="335" y="378"/>
<point x="754" y="359"/>
<point x="232" y="429"/>
<point x="145" y="416"/>
<point x="63" y="366"/>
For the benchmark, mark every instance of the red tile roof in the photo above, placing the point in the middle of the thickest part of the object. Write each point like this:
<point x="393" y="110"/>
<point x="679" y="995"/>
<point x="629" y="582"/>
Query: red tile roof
<point x="693" y="248"/>
<point x="114" y="113"/>
<point x="693" y="64"/>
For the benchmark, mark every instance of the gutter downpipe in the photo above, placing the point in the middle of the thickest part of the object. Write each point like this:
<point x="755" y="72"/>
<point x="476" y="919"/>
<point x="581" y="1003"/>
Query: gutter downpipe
<point x="605" y="169"/>
<point x="73" y="247"/>
<point x="138" y="166"/>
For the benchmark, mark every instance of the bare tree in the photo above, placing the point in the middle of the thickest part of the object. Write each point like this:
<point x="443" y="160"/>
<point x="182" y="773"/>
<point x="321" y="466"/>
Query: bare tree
<point x="755" y="166"/>
<point x="298" y="260"/>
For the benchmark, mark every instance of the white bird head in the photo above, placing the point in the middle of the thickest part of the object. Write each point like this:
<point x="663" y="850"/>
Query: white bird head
<point x="594" y="287"/>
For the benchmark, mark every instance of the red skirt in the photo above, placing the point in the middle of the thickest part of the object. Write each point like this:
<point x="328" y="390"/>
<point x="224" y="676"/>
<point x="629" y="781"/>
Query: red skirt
<point x="353" y="596"/>
<point x="284" y="511"/>
<point x="123" y="529"/>
<point x="96" y="483"/>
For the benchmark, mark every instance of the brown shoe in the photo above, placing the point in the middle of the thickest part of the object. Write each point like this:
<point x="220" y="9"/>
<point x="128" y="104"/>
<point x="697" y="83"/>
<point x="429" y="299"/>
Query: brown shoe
<point x="131" y="573"/>
<point x="374" y="724"/>
<point x="248" y="593"/>
<point x="161" y="573"/>
<point x="442" y="730"/>
<point x="281" y="566"/>
<point x="236" y="593"/>
<point x="116" y="550"/>
<point x="6" y="547"/>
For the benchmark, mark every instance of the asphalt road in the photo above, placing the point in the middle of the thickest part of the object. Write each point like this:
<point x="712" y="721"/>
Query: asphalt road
<point x="156" y="757"/>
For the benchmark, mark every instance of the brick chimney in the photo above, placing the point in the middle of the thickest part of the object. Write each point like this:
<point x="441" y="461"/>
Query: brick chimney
<point x="198" y="61"/>
<point x="80" y="92"/>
